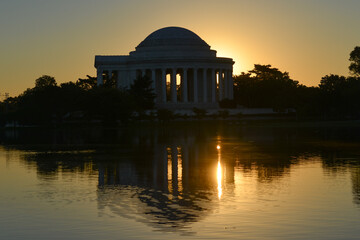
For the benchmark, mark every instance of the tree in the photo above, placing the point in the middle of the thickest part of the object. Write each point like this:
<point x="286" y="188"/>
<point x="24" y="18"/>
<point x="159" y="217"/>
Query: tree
<point x="266" y="72"/>
<point x="110" y="105"/>
<point x="245" y="90"/>
<point x="87" y="83"/>
<point x="109" y="81"/>
<point x="340" y="96"/>
<point x="38" y="105"/>
<point x="143" y="93"/>
<point x="308" y="103"/>
<point x="265" y="86"/>
<point x="355" y="62"/>
<point x="8" y="110"/>
<point x="332" y="84"/>
<point x="45" y="81"/>
<point x="71" y="97"/>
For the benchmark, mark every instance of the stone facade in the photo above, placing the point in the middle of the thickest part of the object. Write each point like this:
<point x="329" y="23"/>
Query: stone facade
<point x="185" y="72"/>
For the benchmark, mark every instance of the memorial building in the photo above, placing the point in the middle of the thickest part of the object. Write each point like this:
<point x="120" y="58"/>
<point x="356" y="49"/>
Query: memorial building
<point x="184" y="70"/>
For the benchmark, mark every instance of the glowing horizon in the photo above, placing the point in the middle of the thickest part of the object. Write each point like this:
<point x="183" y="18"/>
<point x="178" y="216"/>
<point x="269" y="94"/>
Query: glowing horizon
<point x="59" y="38"/>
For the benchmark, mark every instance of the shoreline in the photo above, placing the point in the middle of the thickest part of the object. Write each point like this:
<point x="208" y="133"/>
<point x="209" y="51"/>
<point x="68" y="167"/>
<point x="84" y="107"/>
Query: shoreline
<point x="251" y="122"/>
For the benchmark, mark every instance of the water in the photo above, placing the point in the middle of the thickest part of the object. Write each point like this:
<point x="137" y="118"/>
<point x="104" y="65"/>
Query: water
<point x="193" y="182"/>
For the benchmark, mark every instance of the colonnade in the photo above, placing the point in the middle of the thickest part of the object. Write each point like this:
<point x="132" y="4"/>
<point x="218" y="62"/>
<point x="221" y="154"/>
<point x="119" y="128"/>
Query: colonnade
<point x="179" y="85"/>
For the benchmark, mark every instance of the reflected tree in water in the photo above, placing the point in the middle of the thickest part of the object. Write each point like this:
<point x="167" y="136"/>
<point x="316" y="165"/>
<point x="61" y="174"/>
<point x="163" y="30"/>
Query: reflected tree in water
<point x="167" y="177"/>
<point x="355" y="178"/>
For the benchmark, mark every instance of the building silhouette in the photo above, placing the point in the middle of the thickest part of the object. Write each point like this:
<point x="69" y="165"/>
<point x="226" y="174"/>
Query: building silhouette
<point x="184" y="70"/>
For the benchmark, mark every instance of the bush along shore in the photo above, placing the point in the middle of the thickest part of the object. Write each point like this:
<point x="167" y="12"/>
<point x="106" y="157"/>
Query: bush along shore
<point x="264" y="92"/>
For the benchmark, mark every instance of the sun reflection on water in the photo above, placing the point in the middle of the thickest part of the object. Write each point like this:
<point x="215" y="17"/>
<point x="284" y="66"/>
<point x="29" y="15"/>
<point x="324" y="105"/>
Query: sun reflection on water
<point x="169" y="169"/>
<point x="180" y="170"/>
<point x="175" y="171"/>
<point x="219" y="179"/>
<point x="219" y="173"/>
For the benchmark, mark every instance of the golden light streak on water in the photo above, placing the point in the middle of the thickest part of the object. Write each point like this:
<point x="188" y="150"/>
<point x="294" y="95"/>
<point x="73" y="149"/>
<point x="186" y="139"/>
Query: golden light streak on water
<point x="169" y="169"/>
<point x="219" y="179"/>
<point x="219" y="172"/>
<point x="180" y="169"/>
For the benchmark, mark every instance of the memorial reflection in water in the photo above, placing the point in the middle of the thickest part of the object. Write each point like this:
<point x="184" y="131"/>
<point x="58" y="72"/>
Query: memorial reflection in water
<point x="170" y="180"/>
<point x="173" y="185"/>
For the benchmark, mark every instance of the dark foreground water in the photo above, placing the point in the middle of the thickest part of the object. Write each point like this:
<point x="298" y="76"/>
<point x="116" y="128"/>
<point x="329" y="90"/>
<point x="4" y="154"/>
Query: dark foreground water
<point x="195" y="182"/>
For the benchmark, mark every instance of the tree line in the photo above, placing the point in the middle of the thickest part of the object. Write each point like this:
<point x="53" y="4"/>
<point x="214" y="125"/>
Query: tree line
<point x="49" y="102"/>
<point x="336" y="97"/>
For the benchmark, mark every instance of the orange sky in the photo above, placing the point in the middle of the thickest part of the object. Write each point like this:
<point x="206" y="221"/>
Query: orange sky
<point x="307" y="38"/>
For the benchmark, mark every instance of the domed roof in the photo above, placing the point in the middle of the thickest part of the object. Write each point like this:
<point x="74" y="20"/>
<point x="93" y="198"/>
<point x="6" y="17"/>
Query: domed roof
<point x="173" y="36"/>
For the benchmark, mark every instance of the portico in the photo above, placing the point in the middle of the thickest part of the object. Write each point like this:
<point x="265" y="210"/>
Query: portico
<point x="185" y="72"/>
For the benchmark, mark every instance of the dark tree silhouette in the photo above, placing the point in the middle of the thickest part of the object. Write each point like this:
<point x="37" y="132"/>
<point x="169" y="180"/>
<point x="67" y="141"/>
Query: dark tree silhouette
<point x="332" y="84"/>
<point x="308" y="102"/>
<point x="143" y="93"/>
<point x="265" y="86"/>
<point x="355" y="62"/>
<point x="48" y="103"/>
<point x="336" y="97"/>
<point x="340" y="96"/>
<point x="110" y="105"/>
<point x="87" y="83"/>
<point x="110" y="82"/>
<point x="45" y="81"/>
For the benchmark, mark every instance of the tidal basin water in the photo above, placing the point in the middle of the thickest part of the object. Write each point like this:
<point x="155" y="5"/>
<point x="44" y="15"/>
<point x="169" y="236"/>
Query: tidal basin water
<point x="187" y="182"/>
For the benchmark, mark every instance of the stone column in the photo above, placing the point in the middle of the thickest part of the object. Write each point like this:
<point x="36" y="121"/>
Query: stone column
<point x="221" y="89"/>
<point x="163" y="85"/>
<point x="205" y="85"/>
<point x="126" y="78"/>
<point x="184" y="86"/>
<point x="133" y="76"/>
<point x="118" y="79"/>
<point x="109" y="77"/>
<point x="100" y="78"/>
<point x="195" y="85"/>
<point x="173" y="86"/>
<point x="226" y="84"/>
<point x="213" y="86"/>
<point x="153" y="79"/>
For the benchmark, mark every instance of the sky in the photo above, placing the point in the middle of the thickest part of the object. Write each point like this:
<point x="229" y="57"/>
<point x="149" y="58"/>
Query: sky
<point x="307" y="38"/>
